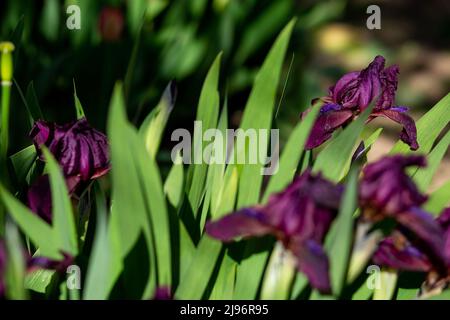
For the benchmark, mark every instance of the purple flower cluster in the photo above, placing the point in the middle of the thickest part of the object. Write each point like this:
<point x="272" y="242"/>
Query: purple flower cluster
<point x="301" y="215"/>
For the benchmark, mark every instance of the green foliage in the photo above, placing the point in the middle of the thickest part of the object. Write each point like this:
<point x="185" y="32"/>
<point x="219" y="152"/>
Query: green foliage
<point x="145" y="221"/>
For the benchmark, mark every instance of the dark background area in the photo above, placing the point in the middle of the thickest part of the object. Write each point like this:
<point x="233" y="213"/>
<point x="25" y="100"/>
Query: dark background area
<point x="180" y="39"/>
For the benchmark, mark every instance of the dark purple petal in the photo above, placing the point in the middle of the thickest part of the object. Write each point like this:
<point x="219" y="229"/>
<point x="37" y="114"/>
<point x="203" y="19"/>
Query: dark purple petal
<point x="163" y="293"/>
<point x="389" y="87"/>
<point x="243" y="223"/>
<point x="427" y="232"/>
<point x="40" y="198"/>
<point x="444" y="221"/>
<point x="409" y="132"/>
<point x="305" y="209"/>
<point x="397" y="253"/>
<point x="330" y="118"/>
<point x="40" y="133"/>
<point x="313" y="262"/>
<point x="80" y="150"/>
<point x="345" y="83"/>
<point x="358" y="89"/>
<point x="388" y="188"/>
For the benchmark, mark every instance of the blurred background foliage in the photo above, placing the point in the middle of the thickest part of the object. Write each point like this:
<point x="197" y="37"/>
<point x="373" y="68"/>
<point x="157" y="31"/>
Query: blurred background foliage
<point x="147" y="43"/>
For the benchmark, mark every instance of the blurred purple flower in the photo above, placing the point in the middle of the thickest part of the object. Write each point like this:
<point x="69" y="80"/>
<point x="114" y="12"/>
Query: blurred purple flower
<point x="400" y="253"/>
<point x="299" y="217"/>
<point x="163" y="293"/>
<point x="40" y="198"/>
<point x="387" y="191"/>
<point x="354" y="92"/>
<point x="387" y="188"/>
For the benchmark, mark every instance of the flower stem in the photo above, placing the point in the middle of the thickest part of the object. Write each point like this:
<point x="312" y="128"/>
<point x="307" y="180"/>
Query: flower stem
<point x="279" y="275"/>
<point x="6" y="94"/>
<point x="4" y="138"/>
<point x="6" y="75"/>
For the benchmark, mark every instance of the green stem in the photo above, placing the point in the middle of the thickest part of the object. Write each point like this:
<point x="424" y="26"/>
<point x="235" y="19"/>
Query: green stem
<point x="4" y="139"/>
<point x="6" y="94"/>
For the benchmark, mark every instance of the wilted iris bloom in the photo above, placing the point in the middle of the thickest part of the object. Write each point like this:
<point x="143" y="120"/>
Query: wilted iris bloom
<point x="81" y="151"/>
<point x="398" y="252"/>
<point x="353" y="93"/>
<point x="387" y="191"/>
<point x="299" y="217"/>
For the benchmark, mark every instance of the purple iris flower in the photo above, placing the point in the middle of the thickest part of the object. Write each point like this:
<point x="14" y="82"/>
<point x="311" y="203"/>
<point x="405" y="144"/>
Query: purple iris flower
<point x="82" y="153"/>
<point x="354" y="92"/>
<point x="387" y="191"/>
<point x="299" y="217"/>
<point x="399" y="252"/>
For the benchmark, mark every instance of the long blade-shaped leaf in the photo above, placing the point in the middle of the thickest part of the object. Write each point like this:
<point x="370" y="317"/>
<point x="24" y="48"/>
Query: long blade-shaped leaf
<point x="334" y="158"/>
<point x="438" y="200"/>
<point x="78" y="107"/>
<point x="137" y="191"/>
<point x="291" y="155"/>
<point x="339" y="239"/>
<point x="104" y="264"/>
<point x="424" y="176"/>
<point x="207" y="113"/>
<point x="63" y="219"/>
<point x="40" y="232"/>
<point x="258" y="114"/>
<point x="153" y="126"/>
